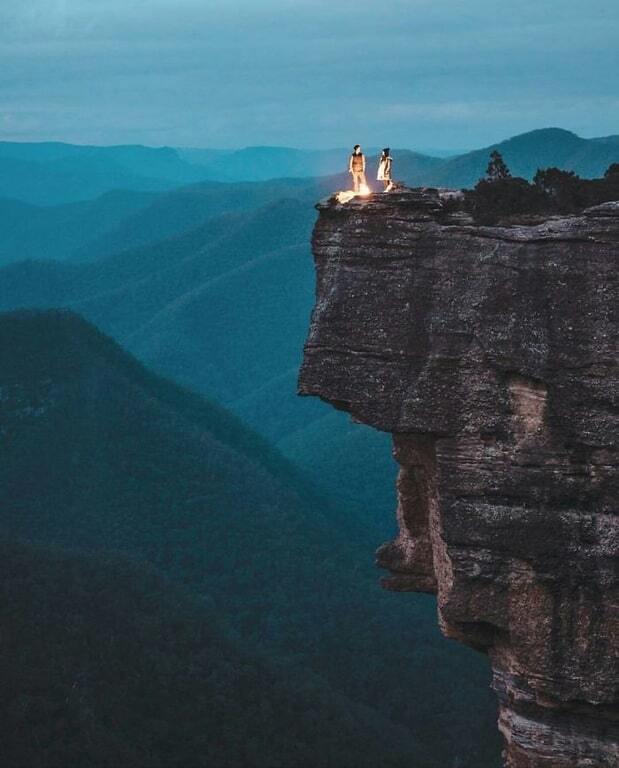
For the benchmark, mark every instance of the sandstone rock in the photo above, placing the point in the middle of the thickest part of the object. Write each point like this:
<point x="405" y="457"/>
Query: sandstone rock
<point x="490" y="354"/>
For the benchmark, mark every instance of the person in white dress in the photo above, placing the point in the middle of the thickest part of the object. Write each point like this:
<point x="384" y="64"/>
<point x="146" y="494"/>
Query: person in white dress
<point x="384" y="169"/>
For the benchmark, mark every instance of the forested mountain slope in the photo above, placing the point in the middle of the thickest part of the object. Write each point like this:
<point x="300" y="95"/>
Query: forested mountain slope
<point x="123" y="668"/>
<point x="131" y="463"/>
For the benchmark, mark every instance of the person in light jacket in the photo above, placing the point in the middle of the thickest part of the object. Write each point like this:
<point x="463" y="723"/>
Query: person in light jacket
<point x="384" y="169"/>
<point x="356" y="166"/>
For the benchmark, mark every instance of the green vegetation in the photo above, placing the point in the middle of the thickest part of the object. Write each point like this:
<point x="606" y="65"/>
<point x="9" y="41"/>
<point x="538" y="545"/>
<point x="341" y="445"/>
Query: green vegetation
<point x="119" y="221"/>
<point x="56" y="232"/>
<point x="53" y="173"/>
<point x="222" y="307"/>
<point x="496" y="167"/>
<point x="125" y="462"/>
<point x="105" y="663"/>
<point x="553" y="191"/>
<point x="213" y="284"/>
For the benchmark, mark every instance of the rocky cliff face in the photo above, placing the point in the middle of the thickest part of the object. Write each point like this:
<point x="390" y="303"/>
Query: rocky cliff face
<point x="490" y="355"/>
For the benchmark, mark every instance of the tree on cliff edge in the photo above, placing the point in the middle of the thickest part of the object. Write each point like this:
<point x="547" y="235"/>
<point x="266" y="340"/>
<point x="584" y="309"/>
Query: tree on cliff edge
<point x="497" y="169"/>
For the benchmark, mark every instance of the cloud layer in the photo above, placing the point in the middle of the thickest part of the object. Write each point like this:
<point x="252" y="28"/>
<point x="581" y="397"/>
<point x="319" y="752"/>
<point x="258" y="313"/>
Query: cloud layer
<point x="305" y="72"/>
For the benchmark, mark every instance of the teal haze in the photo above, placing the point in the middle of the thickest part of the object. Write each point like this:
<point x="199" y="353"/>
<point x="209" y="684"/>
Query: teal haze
<point x="221" y="73"/>
<point x="187" y="547"/>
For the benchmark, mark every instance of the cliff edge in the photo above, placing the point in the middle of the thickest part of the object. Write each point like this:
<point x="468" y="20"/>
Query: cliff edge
<point x="490" y="355"/>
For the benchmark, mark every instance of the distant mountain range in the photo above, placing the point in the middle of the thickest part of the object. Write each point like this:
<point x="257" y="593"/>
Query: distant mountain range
<point x="239" y="287"/>
<point x="524" y="155"/>
<point x="52" y="173"/>
<point x="211" y="282"/>
<point x="264" y="163"/>
<point x="62" y="231"/>
<point x="55" y="173"/>
<point x="223" y="308"/>
<point x="98" y="454"/>
<point x="122" y="220"/>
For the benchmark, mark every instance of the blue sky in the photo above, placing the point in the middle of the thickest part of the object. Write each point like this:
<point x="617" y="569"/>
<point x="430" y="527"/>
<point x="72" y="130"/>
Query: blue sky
<point x="232" y="73"/>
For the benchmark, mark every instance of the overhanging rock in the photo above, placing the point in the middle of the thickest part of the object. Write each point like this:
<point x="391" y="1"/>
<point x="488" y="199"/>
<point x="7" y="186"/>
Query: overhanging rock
<point x="490" y="354"/>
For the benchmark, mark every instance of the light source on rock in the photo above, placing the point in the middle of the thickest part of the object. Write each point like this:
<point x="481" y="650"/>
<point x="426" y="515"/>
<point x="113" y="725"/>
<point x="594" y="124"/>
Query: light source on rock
<point x="348" y="195"/>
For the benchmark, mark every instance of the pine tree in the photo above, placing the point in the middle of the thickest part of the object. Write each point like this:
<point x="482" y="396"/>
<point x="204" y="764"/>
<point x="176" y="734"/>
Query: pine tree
<point x="497" y="169"/>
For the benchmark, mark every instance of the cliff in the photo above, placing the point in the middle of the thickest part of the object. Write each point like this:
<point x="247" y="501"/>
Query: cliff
<point x="490" y="355"/>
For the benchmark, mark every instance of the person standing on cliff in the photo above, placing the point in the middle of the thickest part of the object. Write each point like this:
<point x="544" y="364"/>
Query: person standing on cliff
<point x="384" y="169"/>
<point x="356" y="166"/>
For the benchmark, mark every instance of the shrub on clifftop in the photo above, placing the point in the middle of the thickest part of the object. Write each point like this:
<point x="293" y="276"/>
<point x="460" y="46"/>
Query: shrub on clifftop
<point x="554" y="191"/>
<point x="497" y="168"/>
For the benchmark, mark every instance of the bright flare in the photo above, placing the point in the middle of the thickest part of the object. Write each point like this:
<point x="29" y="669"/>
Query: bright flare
<point x="348" y="195"/>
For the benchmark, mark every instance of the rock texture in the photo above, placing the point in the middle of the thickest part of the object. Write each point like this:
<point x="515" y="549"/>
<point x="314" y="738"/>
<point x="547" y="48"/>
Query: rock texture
<point x="490" y="354"/>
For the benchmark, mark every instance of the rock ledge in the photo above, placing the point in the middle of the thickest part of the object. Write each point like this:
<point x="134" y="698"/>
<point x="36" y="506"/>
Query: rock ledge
<point x="490" y="355"/>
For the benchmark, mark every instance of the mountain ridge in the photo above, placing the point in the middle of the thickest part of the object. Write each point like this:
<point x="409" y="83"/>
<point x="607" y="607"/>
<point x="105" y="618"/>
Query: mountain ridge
<point x="129" y="463"/>
<point x="127" y="668"/>
<point x="58" y="177"/>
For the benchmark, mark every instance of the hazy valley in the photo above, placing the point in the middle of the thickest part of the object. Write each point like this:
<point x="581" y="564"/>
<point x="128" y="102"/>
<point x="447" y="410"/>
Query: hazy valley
<point x="154" y="306"/>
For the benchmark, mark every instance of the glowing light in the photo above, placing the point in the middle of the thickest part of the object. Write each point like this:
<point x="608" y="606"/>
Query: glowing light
<point x="348" y="195"/>
<point x="345" y="197"/>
